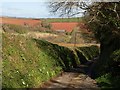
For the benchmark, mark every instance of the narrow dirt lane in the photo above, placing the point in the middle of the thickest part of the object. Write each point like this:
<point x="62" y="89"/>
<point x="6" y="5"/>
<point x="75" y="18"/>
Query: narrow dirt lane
<point x="72" y="80"/>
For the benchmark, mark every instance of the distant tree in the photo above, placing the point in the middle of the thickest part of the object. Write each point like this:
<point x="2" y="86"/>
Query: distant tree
<point x="67" y="7"/>
<point x="46" y="24"/>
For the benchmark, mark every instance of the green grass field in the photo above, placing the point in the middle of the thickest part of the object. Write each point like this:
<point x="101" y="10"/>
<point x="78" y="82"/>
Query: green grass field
<point x="63" y="19"/>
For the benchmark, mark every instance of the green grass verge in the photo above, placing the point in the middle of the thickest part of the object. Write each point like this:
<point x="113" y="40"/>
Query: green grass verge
<point x="24" y="64"/>
<point x="30" y="62"/>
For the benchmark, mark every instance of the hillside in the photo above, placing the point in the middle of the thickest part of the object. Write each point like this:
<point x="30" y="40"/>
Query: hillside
<point x="67" y="24"/>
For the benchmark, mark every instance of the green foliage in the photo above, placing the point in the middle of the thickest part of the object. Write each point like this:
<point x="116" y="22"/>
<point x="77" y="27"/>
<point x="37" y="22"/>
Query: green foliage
<point x="15" y="28"/>
<point x="27" y="62"/>
<point x="46" y="24"/>
<point x="30" y="62"/>
<point x="24" y="64"/>
<point x="50" y="20"/>
<point x="116" y="56"/>
<point x="63" y="55"/>
<point x="108" y="81"/>
<point x="115" y="63"/>
<point x="104" y="20"/>
<point x="87" y="53"/>
<point x="112" y="68"/>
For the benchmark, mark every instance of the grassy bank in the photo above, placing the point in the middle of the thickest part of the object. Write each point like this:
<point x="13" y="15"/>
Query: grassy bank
<point x="28" y="62"/>
<point x="24" y="64"/>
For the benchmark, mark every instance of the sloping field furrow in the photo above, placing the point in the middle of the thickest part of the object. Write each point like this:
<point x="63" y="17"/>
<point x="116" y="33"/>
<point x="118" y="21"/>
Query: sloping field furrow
<point x="18" y="21"/>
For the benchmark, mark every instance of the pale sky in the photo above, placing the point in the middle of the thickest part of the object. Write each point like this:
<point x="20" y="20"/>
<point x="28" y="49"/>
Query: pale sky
<point x="25" y="8"/>
<point x="28" y="8"/>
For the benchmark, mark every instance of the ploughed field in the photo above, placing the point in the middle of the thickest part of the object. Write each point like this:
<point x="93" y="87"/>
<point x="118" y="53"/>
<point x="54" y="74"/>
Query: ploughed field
<point x="19" y="21"/>
<point x="67" y="26"/>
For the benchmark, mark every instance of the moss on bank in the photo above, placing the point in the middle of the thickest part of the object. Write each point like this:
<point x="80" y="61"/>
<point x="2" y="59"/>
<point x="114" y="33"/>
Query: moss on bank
<point x="86" y="54"/>
<point x="28" y="62"/>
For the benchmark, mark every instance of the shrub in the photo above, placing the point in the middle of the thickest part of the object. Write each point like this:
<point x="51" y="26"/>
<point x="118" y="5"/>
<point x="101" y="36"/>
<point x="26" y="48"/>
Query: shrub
<point x="65" y="56"/>
<point x="46" y="24"/>
<point x="88" y="53"/>
<point x="111" y="79"/>
<point x="108" y="81"/>
<point x="116" y="56"/>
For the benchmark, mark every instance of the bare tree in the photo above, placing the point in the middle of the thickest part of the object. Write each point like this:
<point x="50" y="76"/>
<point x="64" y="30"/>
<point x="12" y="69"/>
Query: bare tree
<point x="68" y="7"/>
<point x="103" y="18"/>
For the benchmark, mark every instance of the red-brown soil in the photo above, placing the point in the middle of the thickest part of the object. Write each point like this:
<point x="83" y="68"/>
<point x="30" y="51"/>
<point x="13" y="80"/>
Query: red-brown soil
<point x="68" y="27"/>
<point x="19" y="21"/>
